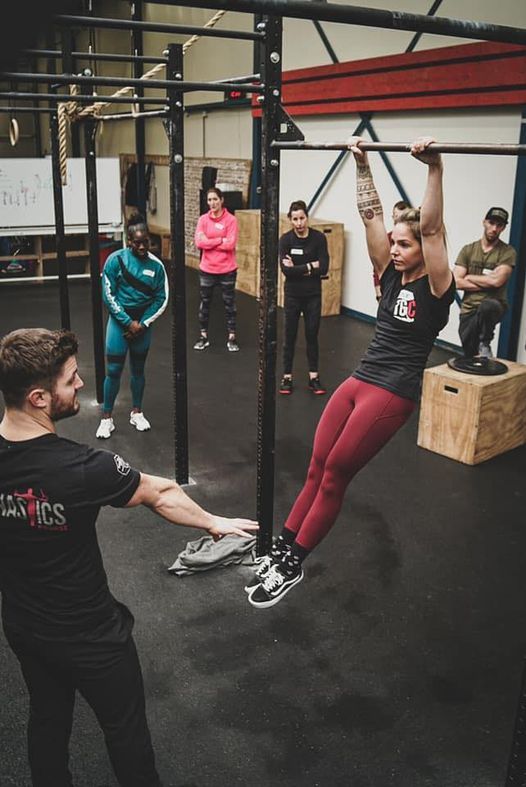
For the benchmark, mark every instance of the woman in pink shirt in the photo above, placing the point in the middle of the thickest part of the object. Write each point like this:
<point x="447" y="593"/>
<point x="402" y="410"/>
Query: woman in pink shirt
<point x="216" y="237"/>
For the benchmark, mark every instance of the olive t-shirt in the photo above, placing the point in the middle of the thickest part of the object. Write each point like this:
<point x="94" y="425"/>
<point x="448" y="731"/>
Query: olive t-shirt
<point x="480" y="263"/>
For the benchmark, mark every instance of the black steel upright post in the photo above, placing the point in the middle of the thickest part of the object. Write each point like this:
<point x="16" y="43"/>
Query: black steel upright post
<point x="68" y="67"/>
<point x="516" y="776"/>
<point x="255" y="180"/>
<point x="60" y="233"/>
<point x="58" y="200"/>
<point x="511" y="323"/>
<point x="140" y="137"/>
<point x="175" y="129"/>
<point x="270" y="161"/>
<point x="36" y="118"/>
<point x="90" y="130"/>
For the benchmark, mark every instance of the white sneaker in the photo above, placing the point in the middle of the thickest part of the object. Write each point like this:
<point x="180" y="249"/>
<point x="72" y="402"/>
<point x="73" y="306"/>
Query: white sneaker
<point x="105" y="429"/>
<point x="139" y="422"/>
<point x="485" y="350"/>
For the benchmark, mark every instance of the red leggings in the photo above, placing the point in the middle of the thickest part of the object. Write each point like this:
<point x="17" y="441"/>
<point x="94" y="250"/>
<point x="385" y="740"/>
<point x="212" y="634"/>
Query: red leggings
<point x="358" y="421"/>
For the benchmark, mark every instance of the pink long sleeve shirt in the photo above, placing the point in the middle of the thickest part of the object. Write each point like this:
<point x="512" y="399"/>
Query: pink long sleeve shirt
<point x="217" y="238"/>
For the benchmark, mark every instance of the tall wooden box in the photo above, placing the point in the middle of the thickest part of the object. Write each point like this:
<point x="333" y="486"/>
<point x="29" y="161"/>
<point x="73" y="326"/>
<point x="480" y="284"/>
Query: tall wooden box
<point x="192" y="261"/>
<point x="472" y="418"/>
<point x="247" y="253"/>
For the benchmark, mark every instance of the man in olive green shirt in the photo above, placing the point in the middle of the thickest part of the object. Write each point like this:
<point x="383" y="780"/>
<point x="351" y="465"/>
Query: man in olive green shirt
<point x="482" y="270"/>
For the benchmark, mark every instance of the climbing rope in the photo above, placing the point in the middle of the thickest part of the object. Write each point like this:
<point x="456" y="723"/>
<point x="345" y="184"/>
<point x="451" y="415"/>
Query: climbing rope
<point x="69" y="111"/>
<point x="66" y="111"/>
<point x="96" y="108"/>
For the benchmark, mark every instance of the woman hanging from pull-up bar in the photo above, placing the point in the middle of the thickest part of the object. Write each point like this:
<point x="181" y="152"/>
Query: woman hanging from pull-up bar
<point x="371" y="405"/>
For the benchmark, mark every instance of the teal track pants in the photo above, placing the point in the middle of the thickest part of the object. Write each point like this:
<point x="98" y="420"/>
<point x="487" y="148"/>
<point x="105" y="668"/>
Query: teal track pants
<point x="116" y="350"/>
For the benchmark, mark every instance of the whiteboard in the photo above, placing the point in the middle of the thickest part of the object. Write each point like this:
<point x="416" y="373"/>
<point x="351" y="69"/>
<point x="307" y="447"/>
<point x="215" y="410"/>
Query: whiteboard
<point x="26" y="196"/>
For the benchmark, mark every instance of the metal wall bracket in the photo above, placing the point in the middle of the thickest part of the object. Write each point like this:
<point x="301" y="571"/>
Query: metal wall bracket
<point x="288" y="130"/>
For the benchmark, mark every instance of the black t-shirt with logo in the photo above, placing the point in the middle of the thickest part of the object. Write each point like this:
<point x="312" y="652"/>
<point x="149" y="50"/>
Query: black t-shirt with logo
<point x="299" y="282"/>
<point x="52" y="578"/>
<point x="409" y="319"/>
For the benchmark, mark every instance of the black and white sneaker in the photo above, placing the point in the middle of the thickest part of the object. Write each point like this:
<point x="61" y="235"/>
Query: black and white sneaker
<point x="262" y="568"/>
<point x="316" y="387"/>
<point x="202" y="343"/>
<point x="275" y="585"/>
<point x="285" y="386"/>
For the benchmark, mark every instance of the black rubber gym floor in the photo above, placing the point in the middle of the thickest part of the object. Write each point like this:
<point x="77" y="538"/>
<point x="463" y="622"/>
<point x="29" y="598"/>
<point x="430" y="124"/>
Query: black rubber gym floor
<point x="396" y="662"/>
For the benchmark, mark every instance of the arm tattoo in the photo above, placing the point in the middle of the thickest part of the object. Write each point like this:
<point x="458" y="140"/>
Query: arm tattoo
<point x="364" y="170"/>
<point x="367" y="198"/>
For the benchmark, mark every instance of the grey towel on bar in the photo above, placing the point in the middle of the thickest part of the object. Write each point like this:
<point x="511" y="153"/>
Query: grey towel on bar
<point x="205" y="553"/>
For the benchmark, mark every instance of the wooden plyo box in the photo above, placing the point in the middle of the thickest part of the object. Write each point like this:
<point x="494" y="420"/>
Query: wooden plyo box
<point x="192" y="261"/>
<point x="472" y="418"/>
<point x="247" y="251"/>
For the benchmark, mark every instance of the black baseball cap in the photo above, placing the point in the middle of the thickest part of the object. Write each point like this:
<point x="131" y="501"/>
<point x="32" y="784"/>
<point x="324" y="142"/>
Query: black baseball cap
<point x="497" y="214"/>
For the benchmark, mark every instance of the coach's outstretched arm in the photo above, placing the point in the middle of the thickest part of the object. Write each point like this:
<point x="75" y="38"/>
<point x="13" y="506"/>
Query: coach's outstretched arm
<point x="166" y="498"/>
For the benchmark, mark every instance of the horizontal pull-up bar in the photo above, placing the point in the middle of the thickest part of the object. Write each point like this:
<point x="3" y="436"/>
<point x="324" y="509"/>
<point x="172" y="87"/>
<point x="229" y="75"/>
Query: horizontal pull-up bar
<point x="19" y="110"/>
<point x="95" y="56"/>
<point x="73" y="79"/>
<point x="81" y="99"/>
<point x="156" y="27"/>
<point x="216" y="106"/>
<point x="234" y="80"/>
<point x="159" y="113"/>
<point x="124" y="59"/>
<point x="369" y="17"/>
<point x="134" y="115"/>
<point x="17" y="279"/>
<point x="482" y="148"/>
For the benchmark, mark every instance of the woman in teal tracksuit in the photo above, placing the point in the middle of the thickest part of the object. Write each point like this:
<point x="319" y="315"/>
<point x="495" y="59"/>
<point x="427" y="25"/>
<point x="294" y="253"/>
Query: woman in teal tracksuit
<point x="135" y="290"/>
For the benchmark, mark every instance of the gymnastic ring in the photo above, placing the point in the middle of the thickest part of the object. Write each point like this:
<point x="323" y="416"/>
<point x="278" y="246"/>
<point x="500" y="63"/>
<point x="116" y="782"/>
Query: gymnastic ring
<point x="14" y="132"/>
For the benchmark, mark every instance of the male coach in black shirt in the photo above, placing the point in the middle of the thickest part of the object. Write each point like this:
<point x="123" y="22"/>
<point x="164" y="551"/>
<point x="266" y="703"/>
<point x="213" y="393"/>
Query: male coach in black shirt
<point x="66" y="629"/>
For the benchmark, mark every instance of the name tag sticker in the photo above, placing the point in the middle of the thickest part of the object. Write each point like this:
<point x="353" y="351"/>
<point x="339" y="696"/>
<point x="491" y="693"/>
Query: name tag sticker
<point x="296" y="251"/>
<point x="486" y="271"/>
<point x="148" y="272"/>
<point x="220" y="226"/>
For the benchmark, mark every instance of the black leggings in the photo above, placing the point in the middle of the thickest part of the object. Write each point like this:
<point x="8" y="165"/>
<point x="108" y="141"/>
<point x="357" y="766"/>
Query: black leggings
<point x="227" y="282"/>
<point x="108" y="675"/>
<point x="310" y="307"/>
